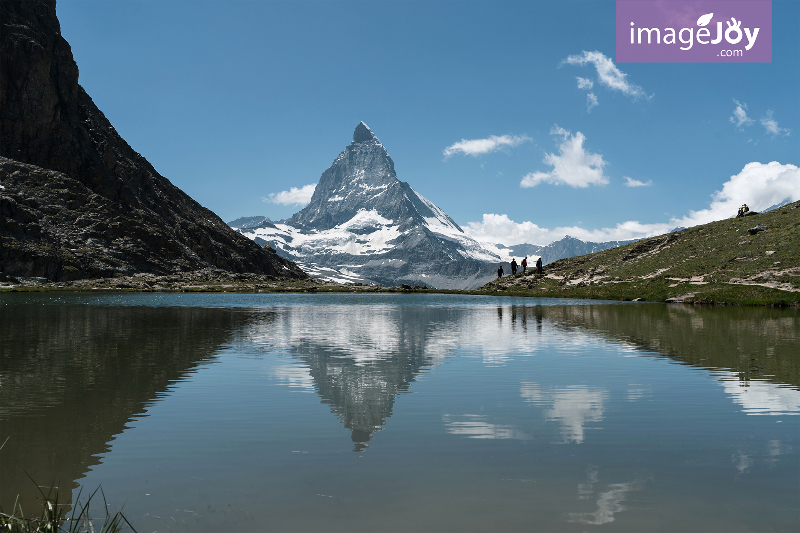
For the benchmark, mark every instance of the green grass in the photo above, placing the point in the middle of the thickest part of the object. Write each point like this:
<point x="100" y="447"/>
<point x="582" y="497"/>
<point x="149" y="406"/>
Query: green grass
<point x="53" y="517"/>
<point x="719" y="254"/>
<point x="658" y="290"/>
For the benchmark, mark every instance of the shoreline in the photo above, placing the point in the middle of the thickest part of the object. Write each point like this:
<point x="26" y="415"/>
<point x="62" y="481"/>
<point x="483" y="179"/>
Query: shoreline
<point x="214" y="282"/>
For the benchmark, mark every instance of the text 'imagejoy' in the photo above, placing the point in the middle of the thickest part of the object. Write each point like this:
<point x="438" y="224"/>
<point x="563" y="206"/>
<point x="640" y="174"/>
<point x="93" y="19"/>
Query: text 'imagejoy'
<point x="694" y="32"/>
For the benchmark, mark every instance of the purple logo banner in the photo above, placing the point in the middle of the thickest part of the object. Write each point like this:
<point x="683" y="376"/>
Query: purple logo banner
<point x="694" y="31"/>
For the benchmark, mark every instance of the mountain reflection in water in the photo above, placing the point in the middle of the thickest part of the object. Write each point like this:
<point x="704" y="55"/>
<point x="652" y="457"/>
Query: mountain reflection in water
<point x="359" y="357"/>
<point x="75" y="375"/>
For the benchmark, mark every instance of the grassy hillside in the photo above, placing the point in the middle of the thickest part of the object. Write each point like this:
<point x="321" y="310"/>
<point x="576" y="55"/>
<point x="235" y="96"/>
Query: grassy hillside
<point x="720" y="262"/>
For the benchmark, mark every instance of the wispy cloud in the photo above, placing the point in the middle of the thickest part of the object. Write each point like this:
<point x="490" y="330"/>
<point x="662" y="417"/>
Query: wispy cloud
<point x="630" y="182"/>
<point x="607" y="73"/>
<point x="476" y="147"/>
<point x="572" y="166"/>
<point x="584" y="83"/>
<point x="293" y="196"/>
<point x="740" y="117"/>
<point x="759" y="185"/>
<point x="771" y="125"/>
<point x="591" y="101"/>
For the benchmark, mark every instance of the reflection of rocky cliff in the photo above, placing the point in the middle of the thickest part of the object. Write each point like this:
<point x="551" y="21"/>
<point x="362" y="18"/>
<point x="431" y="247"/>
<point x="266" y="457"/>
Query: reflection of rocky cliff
<point x="89" y="371"/>
<point x="755" y="343"/>
<point x="361" y="357"/>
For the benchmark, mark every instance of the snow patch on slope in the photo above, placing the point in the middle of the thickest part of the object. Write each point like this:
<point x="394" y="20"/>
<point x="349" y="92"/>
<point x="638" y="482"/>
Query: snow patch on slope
<point x="341" y="275"/>
<point x="367" y="233"/>
<point x="443" y="225"/>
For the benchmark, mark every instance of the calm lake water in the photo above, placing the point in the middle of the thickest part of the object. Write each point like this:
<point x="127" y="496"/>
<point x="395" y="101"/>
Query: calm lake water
<point x="403" y="412"/>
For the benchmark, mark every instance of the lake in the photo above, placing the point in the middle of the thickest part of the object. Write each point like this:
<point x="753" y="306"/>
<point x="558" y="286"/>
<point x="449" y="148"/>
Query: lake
<point x="403" y="412"/>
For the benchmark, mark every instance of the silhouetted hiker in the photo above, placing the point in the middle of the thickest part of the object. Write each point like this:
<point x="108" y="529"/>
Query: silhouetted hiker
<point x="500" y="272"/>
<point x="539" y="269"/>
<point x="513" y="266"/>
<point x="524" y="265"/>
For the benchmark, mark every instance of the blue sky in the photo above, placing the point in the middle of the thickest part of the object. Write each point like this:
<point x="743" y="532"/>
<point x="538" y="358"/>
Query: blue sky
<point x="239" y="100"/>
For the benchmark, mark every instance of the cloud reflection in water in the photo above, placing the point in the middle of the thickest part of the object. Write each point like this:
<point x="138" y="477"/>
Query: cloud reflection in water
<point x="476" y="427"/>
<point x="572" y="406"/>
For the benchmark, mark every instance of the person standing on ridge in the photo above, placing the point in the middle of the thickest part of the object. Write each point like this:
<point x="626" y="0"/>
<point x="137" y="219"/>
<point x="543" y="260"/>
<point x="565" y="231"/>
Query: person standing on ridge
<point x="524" y="265"/>
<point x="513" y="266"/>
<point x="500" y="272"/>
<point x="539" y="269"/>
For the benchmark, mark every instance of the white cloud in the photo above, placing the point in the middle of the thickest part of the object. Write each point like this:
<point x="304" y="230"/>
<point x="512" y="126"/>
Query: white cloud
<point x="608" y="73"/>
<point x="476" y="147"/>
<point x="501" y="229"/>
<point x="630" y="182"/>
<point x="740" y="117"/>
<point x="591" y="98"/>
<point x="771" y="125"/>
<point x="293" y="196"/>
<point x="758" y="185"/>
<point x="572" y="166"/>
<point x="591" y="101"/>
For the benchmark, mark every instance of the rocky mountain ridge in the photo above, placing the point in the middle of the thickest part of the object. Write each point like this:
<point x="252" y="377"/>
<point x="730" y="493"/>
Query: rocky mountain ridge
<point x="567" y="247"/>
<point x="76" y="200"/>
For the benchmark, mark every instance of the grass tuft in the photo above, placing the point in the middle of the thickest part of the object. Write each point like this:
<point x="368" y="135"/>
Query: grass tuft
<point x="52" y="517"/>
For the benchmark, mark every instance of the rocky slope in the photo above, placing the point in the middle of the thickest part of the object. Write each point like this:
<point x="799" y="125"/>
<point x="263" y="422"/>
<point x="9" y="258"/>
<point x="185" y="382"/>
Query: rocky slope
<point x="76" y="200"/>
<point x="363" y="219"/>
<point x="751" y="260"/>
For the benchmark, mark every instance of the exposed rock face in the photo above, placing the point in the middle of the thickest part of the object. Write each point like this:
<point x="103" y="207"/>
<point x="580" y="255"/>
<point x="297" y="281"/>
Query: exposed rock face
<point x="71" y="185"/>
<point x="362" y="218"/>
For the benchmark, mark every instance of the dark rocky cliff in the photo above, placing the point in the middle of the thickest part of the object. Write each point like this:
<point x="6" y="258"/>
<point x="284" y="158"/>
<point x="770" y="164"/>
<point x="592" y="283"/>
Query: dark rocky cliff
<point x="76" y="200"/>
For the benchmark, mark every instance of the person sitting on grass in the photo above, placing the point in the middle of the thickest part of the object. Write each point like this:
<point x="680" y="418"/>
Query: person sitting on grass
<point x="742" y="211"/>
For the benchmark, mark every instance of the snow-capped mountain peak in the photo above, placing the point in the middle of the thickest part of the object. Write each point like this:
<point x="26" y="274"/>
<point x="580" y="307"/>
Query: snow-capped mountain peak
<point x="361" y="217"/>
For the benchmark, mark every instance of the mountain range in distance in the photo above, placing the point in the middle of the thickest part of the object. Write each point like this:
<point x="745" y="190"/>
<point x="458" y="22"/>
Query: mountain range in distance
<point x="365" y="225"/>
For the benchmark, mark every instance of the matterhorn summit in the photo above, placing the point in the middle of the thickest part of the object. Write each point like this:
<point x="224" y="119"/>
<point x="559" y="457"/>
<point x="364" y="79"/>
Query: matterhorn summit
<point x="364" y="223"/>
